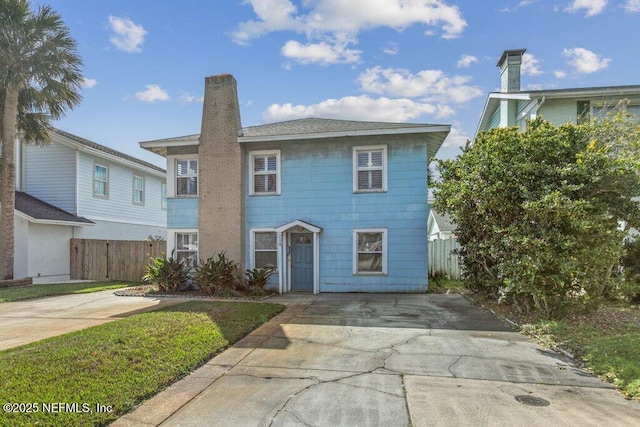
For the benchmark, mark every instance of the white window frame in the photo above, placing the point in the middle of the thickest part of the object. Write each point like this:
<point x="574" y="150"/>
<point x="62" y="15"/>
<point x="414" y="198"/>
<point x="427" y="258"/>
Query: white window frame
<point x="370" y="148"/>
<point x="163" y="196"/>
<point x="356" y="232"/>
<point x="252" y="173"/>
<point x="141" y="191"/>
<point x="106" y="181"/>
<point x="178" y="251"/>
<point x="252" y="246"/>
<point x="188" y="176"/>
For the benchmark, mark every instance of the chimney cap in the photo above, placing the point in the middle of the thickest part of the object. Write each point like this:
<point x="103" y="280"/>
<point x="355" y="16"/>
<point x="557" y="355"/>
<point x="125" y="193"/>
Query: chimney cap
<point x="510" y="53"/>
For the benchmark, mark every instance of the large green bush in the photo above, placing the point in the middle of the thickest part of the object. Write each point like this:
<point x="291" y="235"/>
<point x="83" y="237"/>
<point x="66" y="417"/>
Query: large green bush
<point x="542" y="214"/>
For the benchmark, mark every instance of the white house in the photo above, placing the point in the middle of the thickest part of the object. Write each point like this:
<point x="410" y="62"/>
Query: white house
<point x="75" y="188"/>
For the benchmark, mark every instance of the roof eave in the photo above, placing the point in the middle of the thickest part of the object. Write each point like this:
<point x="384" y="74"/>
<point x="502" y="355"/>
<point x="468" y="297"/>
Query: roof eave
<point x="342" y="134"/>
<point x="116" y="159"/>
<point x="53" y="222"/>
<point x="160" y="146"/>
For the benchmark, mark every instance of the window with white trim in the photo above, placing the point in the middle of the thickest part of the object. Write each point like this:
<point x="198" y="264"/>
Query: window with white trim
<point x="187" y="177"/>
<point x="100" y="180"/>
<point x="370" y="251"/>
<point x="370" y="168"/>
<point x="163" y="196"/>
<point x="138" y="190"/>
<point x="265" y="249"/>
<point x="187" y="248"/>
<point x="265" y="172"/>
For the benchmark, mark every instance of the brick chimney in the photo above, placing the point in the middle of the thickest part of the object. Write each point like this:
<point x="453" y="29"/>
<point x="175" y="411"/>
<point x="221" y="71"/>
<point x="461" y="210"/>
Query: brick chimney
<point x="220" y="172"/>
<point x="510" y="63"/>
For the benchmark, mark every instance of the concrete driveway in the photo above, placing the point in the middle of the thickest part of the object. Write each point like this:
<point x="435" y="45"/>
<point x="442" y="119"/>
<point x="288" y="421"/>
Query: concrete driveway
<point x="386" y="360"/>
<point x="36" y="319"/>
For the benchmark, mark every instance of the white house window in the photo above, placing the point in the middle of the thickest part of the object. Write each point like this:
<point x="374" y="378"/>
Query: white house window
<point x="265" y="249"/>
<point x="138" y="190"/>
<point x="370" y="251"/>
<point x="265" y="172"/>
<point x="163" y="196"/>
<point x="187" y="177"/>
<point x="187" y="248"/>
<point x="370" y="168"/>
<point x="100" y="180"/>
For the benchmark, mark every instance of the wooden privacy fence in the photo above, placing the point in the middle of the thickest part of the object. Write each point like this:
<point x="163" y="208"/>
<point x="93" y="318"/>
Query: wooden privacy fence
<point x="442" y="262"/>
<point x="112" y="259"/>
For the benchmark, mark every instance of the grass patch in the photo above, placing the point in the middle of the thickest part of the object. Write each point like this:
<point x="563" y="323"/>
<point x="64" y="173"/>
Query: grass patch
<point x="122" y="363"/>
<point x="52" y="289"/>
<point x="440" y="285"/>
<point x="606" y="341"/>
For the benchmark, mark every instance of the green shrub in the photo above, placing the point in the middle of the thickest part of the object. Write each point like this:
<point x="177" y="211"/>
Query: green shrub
<point x="631" y="266"/>
<point x="216" y="274"/>
<point x="166" y="273"/>
<point x="258" y="277"/>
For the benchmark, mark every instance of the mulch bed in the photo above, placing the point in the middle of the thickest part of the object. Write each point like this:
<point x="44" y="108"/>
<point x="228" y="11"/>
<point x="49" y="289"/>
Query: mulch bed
<point x="152" y="291"/>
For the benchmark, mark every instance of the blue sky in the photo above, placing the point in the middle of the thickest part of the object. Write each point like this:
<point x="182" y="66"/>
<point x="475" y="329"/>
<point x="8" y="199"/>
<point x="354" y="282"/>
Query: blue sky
<point x="422" y="61"/>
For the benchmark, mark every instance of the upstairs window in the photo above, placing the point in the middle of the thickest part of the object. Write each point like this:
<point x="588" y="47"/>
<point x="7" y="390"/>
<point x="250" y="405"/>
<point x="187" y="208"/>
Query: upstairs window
<point x="265" y="172"/>
<point x="187" y="177"/>
<point x="370" y="169"/>
<point x="100" y="181"/>
<point x="138" y="190"/>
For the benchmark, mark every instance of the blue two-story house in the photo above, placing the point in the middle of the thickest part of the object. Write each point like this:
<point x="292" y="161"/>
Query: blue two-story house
<point x="334" y="205"/>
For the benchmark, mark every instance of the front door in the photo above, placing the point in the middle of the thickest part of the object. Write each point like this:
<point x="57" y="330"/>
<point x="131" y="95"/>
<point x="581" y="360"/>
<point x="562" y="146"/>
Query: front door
<point x="301" y="261"/>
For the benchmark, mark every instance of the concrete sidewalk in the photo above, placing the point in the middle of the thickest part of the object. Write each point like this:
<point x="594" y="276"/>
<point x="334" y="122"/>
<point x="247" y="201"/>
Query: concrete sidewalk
<point x="385" y="360"/>
<point x="36" y="319"/>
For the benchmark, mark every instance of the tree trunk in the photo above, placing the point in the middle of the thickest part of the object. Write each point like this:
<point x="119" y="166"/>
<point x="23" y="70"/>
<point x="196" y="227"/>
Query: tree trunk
<point x="8" y="182"/>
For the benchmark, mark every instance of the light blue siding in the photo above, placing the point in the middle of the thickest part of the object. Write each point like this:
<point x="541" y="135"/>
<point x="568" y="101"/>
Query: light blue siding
<point x="50" y="174"/>
<point x="317" y="187"/>
<point x="118" y="205"/>
<point x="182" y="213"/>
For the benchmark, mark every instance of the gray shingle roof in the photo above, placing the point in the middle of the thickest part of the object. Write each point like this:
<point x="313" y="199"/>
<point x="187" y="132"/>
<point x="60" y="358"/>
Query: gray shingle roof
<point x="444" y="221"/>
<point x="39" y="210"/>
<point x="315" y="125"/>
<point x="107" y="150"/>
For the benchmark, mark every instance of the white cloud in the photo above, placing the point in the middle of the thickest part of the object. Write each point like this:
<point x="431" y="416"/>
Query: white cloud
<point x="88" y="83"/>
<point x="560" y="74"/>
<point x="127" y="35"/>
<point x="456" y="137"/>
<point x="593" y="7"/>
<point x="360" y="107"/>
<point x="187" y="98"/>
<point x="465" y="61"/>
<point x="391" y="48"/>
<point x="530" y="65"/>
<point x="432" y="85"/>
<point x="584" y="61"/>
<point x="341" y="21"/>
<point x="152" y="93"/>
<point x="337" y="16"/>
<point x="632" y="6"/>
<point x="320" y="53"/>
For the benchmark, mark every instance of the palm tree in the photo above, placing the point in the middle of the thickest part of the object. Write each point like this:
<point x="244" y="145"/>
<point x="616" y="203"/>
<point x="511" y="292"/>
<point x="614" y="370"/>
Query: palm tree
<point x="40" y="78"/>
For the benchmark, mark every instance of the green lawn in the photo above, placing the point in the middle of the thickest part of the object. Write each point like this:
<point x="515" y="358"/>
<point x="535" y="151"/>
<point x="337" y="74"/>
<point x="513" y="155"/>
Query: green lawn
<point x="122" y="363"/>
<point x="47" y="290"/>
